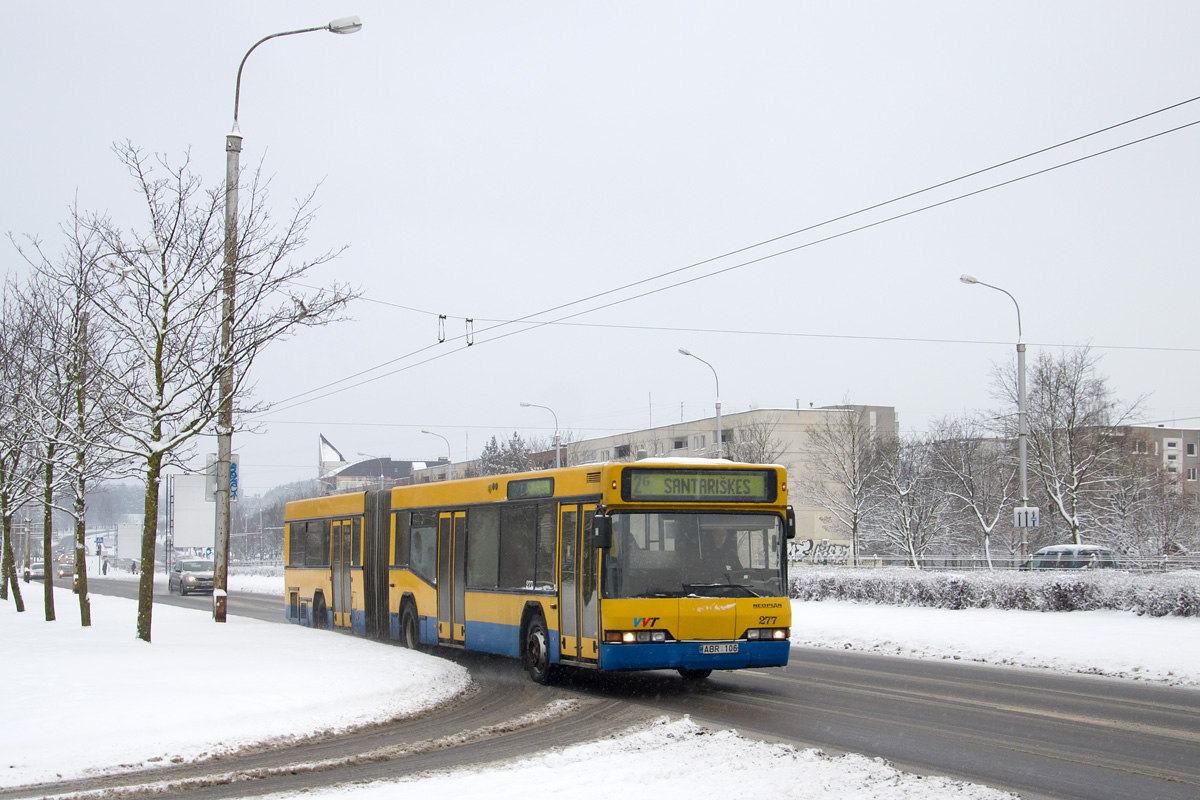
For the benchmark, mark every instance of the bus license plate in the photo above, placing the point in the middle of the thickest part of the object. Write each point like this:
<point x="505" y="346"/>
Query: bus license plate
<point x="717" y="649"/>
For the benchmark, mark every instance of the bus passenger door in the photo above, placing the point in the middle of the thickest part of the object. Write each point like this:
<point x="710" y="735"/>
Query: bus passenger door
<point x="452" y="575"/>
<point x="578" y="584"/>
<point x="342" y="536"/>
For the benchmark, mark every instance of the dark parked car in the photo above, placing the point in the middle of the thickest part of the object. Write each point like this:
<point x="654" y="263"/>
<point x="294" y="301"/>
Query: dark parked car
<point x="1072" y="556"/>
<point x="191" y="576"/>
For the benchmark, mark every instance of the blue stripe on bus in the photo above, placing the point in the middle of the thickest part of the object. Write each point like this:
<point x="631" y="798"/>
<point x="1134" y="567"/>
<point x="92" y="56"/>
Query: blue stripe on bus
<point x="687" y="655"/>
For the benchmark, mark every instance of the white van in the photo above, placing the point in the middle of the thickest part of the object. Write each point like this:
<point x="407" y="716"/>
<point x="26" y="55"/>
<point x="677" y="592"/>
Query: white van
<point x="1072" y="556"/>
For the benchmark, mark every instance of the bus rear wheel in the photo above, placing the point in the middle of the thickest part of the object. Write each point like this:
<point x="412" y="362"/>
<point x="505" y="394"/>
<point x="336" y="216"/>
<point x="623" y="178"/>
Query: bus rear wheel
<point x="410" y="634"/>
<point x="536" y="652"/>
<point x="694" y="674"/>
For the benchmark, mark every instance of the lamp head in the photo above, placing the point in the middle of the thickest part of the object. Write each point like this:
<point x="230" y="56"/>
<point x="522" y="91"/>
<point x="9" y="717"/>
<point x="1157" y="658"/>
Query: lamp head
<point x="345" y="25"/>
<point x="525" y="405"/>
<point x="425" y="431"/>
<point x="685" y="351"/>
<point x="965" y="278"/>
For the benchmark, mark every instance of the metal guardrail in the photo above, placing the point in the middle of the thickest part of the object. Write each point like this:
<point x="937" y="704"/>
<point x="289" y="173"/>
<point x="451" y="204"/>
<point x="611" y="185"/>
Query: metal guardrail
<point x="979" y="563"/>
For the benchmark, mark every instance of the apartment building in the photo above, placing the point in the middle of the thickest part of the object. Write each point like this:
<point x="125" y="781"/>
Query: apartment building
<point x="1176" y="451"/>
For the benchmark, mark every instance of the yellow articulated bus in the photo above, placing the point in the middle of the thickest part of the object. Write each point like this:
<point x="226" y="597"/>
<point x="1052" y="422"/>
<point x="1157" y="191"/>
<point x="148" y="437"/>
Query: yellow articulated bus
<point x="657" y="564"/>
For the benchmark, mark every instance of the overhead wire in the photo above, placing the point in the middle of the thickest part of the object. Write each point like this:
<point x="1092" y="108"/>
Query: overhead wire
<point x="532" y="321"/>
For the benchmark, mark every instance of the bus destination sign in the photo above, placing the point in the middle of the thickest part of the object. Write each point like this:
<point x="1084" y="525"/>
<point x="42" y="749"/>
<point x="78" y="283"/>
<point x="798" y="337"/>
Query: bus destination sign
<point x="698" y="485"/>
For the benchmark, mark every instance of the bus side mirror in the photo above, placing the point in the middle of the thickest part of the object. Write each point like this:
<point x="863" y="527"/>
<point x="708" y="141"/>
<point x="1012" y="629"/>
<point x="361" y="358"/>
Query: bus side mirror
<point x="791" y="523"/>
<point x="602" y="531"/>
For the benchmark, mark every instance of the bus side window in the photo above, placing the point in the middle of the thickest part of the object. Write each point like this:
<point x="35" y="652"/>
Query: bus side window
<point x="423" y="545"/>
<point x="297" y="533"/>
<point x="547" y="535"/>
<point x="401" y="544"/>
<point x="518" y="550"/>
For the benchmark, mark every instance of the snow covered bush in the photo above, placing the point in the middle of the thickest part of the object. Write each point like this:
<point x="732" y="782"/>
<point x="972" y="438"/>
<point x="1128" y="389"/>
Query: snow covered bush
<point x="1167" y="594"/>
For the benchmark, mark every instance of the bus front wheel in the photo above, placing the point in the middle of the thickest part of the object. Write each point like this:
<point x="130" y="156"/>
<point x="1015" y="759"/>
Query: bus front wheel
<point x="537" y="651"/>
<point x="694" y="674"/>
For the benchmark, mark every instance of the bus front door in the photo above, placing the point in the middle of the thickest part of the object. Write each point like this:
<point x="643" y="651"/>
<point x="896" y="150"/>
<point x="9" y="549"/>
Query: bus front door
<point x="578" y="585"/>
<point x="342" y="535"/>
<point x="452" y="576"/>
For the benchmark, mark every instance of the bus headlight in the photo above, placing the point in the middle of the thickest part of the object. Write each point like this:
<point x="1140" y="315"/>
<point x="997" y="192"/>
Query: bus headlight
<point x="767" y="634"/>
<point x="635" y="637"/>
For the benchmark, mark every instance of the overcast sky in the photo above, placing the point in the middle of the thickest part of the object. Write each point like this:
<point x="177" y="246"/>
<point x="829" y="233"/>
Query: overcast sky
<point x="492" y="160"/>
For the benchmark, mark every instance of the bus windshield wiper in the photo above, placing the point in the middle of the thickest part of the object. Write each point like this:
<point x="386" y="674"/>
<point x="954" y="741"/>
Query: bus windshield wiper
<point x="691" y="587"/>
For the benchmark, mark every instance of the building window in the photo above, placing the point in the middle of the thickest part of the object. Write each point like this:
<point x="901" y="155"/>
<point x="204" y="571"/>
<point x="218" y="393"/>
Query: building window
<point x="1139" y="446"/>
<point x="1191" y="473"/>
<point x="698" y="442"/>
<point x="622" y="451"/>
<point x="1191" y="448"/>
<point x="681" y="444"/>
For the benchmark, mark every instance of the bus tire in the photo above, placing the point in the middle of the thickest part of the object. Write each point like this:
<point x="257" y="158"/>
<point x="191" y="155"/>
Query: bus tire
<point x="535" y="651"/>
<point x="410" y="628"/>
<point x="694" y="674"/>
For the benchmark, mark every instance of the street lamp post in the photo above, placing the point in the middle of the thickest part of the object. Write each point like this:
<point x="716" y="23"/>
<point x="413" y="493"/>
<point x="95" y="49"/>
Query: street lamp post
<point x="233" y="149"/>
<point x="1024" y="517"/>
<point x="449" y="455"/>
<point x="720" y="436"/>
<point x="557" y="458"/>
<point x="380" y="460"/>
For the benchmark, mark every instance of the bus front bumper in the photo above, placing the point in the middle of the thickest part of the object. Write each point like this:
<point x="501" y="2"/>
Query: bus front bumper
<point x="691" y="655"/>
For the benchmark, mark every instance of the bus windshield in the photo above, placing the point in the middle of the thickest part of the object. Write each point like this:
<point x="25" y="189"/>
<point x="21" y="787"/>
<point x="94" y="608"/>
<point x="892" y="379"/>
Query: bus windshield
<point x="686" y="554"/>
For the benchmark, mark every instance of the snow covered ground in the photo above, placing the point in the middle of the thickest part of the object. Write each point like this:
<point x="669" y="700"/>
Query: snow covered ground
<point x="75" y="698"/>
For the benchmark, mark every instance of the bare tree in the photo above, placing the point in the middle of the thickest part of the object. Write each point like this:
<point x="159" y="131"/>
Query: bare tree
<point x="85" y="418"/>
<point x="909" y="513"/>
<point x="545" y="444"/>
<point x="975" y="471"/>
<point x="165" y="312"/>
<point x="756" y="443"/>
<point x="843" y="459"/>
<point x="1071" y="417"/>
<point x="47" y="408"/>
<point x="1144" y="512"/>
<point x="18" y="474"/>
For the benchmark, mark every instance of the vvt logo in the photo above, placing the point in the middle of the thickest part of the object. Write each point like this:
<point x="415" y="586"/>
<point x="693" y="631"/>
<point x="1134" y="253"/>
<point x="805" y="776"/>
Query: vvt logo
<point x="645" y="622"/>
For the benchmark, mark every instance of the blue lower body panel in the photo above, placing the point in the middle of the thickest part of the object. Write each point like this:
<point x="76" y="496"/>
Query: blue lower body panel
<point x="491" y="637"/>
<point x="687" y="655"/>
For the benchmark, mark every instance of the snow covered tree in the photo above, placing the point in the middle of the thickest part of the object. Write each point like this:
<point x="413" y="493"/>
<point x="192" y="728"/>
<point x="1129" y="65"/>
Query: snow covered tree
<point x="1072" y="416"/>
<point x="909" y="513"/>
<point x="505" y="458"/>
<point x="18" y="473"/>
<point x="843" y="459"/>
<point x="163" y="304"/>
<point x="81" y="419"/>
<point x="977" y="473"/>
<point x="755" y="442"/>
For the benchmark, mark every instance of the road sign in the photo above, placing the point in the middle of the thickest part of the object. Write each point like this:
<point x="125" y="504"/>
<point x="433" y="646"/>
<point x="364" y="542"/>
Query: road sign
<point x="1025" y="517"/>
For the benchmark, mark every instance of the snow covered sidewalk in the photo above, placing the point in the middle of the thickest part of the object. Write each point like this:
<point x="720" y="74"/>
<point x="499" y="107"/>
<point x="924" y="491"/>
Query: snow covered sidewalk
<point x="1112" y="643"/>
